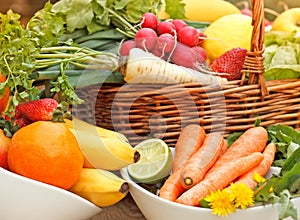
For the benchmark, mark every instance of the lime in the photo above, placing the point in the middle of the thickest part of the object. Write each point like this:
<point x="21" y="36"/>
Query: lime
<point x="155" y="161"/>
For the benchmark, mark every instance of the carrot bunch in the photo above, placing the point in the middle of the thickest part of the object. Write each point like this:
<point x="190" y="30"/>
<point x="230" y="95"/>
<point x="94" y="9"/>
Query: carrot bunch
<point x="204" y="163"/>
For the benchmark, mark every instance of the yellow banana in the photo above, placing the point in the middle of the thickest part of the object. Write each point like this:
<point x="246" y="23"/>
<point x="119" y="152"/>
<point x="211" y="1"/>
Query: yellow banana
<point x="110" y="151"/>
<point x="81" y="125"/>
<point x="101" y="187"/>
<point x="204" y="10"/>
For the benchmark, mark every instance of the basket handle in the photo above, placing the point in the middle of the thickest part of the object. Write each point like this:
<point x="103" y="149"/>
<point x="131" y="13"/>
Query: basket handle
<point x="254" y="61"/>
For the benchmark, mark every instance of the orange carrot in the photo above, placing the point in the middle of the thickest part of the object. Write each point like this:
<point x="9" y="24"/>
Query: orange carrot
<point x="172" y="187"/>
<point x="224" y="147"/>
<point x="220" y="178"/>
<point x="261" y="169"/>
<point x="189" y="141"/>
<point x="201" y="161"/>
<point x="252" y="140"/>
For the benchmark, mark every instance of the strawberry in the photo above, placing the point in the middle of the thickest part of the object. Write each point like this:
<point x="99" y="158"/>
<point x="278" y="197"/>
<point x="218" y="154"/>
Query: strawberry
<point x="37" y="110"/>
<point x="22" y="122"/>
<point x="231" y="62"/>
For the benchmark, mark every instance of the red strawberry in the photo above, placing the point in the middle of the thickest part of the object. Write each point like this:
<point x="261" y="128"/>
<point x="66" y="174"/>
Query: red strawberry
<point x="22" y="122"/>
<point x="37" y="110"/>
<point x="230" y="62"/>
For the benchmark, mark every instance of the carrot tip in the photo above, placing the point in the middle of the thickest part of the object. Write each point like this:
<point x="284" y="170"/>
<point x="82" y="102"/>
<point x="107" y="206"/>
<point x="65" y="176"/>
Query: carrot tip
<point x="188" y="181"/>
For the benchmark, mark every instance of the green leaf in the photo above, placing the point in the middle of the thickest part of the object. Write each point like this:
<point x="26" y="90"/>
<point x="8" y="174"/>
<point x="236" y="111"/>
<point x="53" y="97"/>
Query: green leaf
<point x="232" y="137"/>
<point x="282" y="55"/>
<point x="286" y="207"/>
<point x="290" y="180"/>
<point x="80" y="14"/>
<point x="175" y="8"/>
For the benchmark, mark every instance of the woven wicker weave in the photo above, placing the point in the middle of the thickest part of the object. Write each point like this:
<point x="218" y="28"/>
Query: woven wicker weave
<point x="142" y="111"/>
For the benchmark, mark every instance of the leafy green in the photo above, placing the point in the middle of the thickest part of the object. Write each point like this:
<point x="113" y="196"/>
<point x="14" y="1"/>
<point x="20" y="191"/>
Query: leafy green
<point x="17" y="58"/>
<point x="282" y="55"/>
<point x="287" y="140"/>
<point x="175" y="8"/>
<point x="97" y="15"/>
<point x="290" y="180"/>
<point x="291" y="161"/>
<point x="286" y="207"/>
<point x="47" y="26"/>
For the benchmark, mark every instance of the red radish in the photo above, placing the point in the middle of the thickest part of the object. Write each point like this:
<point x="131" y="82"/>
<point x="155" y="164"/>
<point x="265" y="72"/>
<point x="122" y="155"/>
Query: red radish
<point x="246" y="11"/>
<point x="201" y="52"/>
<point x="159" y="53"/>
<point x="149" y="20"/>
<point x="184" y="56"/>
<point x="166" y="27"/>
<point x="202" y="38"/>
<point x="179" y="24"/>
<point x="165" y="42"/>
<point x="126" y="47"/>
<point x="189" y="36"/>
<point x="145" y="38"/>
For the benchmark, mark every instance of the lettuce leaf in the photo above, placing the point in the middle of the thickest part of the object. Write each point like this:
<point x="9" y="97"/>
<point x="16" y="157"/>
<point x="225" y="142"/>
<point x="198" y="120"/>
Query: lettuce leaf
<point x="282" y="55"/>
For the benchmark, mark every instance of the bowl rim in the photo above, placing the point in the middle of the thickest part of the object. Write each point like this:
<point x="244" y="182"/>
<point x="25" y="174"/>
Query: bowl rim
<point x="35" y="183"/>
<point x="126" y="176"/>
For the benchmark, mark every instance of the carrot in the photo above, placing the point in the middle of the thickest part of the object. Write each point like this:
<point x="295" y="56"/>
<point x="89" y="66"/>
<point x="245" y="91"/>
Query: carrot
<point x="224" y="147"/>
<point x="189" y="141"/>
<point x="144" y="67"/>
<point x="252" y="140"/>
<point x="220" y="178"/>
<point x="261" y="169"/>
<point x="172" y="187"/>
<point x="201" y="161"/>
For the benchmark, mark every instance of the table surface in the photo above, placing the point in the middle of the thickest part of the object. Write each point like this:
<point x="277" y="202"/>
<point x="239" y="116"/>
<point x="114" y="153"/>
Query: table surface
<point x="126" y="209"/>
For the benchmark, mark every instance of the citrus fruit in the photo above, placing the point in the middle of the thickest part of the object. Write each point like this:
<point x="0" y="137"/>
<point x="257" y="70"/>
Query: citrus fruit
<point x="4" y="95"/>
<point x="4" y="143"/>
<point x="155" y="162"/>
<point x="203" y="11"/>
<point x="47" y="152"/>
<point x="228" y="32"/>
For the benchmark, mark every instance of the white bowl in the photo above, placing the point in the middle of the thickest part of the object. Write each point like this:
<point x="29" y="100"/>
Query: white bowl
<point x="22" y="198"/>
<point x="154" y="207"/>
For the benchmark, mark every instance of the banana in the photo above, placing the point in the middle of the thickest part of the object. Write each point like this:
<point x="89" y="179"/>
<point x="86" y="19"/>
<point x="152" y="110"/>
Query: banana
<point x="101" y="187"/>
<point x="204" y="10"/>
<point x="102" y="148"/>
<point x="81" y="125"/>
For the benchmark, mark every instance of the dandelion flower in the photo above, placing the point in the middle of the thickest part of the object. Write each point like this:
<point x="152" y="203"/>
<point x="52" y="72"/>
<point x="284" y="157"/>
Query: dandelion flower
<point x="258" y="178"/>
<point x="221" y="203"/>
<point x="243" y="195"/>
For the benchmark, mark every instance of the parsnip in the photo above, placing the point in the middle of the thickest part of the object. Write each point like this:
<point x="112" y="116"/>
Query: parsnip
<point x="144" y="67"/>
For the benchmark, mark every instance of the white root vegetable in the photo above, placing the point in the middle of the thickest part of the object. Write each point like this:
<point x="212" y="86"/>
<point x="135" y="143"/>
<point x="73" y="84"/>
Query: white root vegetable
<point x="144" y="67"/>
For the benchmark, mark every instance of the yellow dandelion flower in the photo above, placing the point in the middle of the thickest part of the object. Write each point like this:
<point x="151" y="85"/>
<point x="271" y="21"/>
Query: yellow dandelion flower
<point x="258" y="178"/>
<point x="220" y="203"/>
<point x="243" y="195"/>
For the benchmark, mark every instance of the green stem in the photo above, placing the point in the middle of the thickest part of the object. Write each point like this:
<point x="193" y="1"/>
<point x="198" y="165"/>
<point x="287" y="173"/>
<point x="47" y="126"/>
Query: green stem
<point x="127" y="25"/>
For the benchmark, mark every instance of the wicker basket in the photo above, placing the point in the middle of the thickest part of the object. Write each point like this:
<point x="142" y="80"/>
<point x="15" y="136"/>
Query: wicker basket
<point x="141" y="111"/>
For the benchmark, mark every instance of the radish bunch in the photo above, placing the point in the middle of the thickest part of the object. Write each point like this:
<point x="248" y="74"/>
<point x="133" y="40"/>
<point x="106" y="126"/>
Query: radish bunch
<point x="171" y="40"/>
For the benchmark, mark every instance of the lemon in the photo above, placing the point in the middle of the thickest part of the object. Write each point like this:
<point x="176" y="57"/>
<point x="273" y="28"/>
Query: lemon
<point x="204" y="10"/>
<point x="155" y="161"/>
<point x="227" y="32"/>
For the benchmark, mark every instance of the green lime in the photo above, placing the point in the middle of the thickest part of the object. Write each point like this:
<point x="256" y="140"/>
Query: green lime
<point x="155" y="161"/>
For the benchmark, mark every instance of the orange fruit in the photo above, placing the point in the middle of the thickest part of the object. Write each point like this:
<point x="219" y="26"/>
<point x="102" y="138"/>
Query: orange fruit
<point x="4" y="97"/>
<point x="47" y="152"/>
<point x="4" y="143"/>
